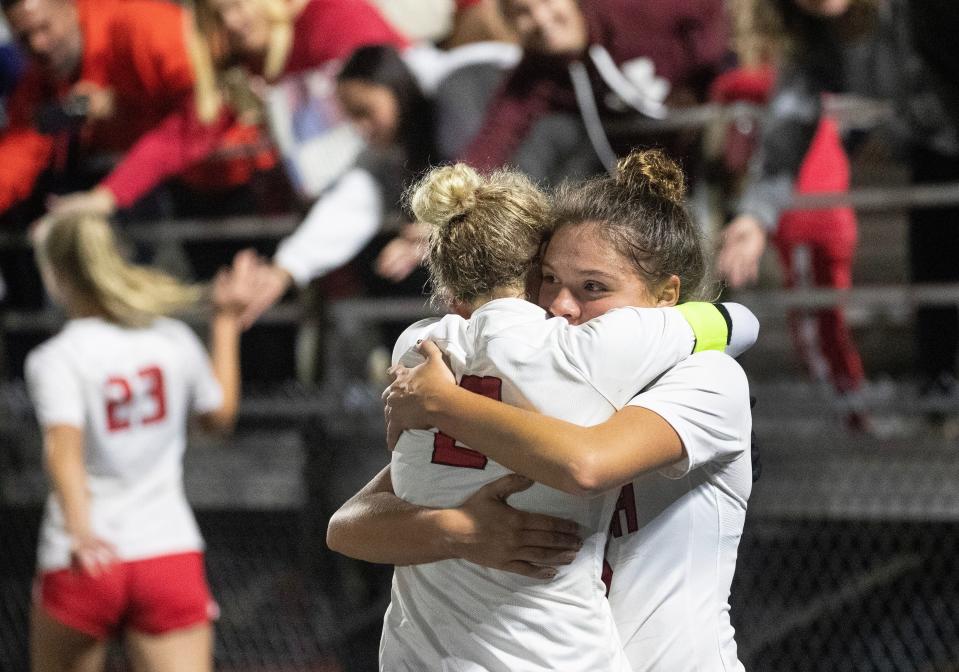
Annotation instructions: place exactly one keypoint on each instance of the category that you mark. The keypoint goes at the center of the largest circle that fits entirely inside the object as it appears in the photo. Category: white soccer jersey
(675, 534)
(131, 390)
(455, 615)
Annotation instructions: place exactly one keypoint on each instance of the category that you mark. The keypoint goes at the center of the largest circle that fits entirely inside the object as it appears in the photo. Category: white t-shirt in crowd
(131, 390)
(675, 534)
(455, 615)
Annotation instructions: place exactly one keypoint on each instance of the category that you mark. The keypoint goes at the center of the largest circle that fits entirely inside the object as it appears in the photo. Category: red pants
(829, 237)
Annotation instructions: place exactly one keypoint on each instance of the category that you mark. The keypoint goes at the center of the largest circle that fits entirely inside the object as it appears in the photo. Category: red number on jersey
(445, 450)
(120, 399)
(119, 396)
(154, 378)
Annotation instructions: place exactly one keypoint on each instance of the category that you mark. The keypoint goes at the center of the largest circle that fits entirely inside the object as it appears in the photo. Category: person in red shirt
(635, 53)
(269, 39)
(101, 73)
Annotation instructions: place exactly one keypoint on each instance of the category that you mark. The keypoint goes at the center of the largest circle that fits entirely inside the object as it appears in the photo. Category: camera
(65, 115)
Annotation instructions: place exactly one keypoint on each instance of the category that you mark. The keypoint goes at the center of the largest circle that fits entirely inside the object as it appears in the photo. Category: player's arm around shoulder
(627, 348)
(697, 411)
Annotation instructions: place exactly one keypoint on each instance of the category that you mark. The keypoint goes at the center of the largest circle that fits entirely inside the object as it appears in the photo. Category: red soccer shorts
(154, 596)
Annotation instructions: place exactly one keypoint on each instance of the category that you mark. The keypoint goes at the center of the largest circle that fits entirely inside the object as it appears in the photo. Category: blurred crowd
(147, 110)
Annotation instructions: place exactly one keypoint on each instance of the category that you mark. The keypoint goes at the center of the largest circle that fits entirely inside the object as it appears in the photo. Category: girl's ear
(668, 294)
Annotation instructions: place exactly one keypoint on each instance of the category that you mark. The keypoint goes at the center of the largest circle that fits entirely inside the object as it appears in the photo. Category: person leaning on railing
(881, 49)
(408, 123)
(83, 87)
(265, 38)
(829, 234)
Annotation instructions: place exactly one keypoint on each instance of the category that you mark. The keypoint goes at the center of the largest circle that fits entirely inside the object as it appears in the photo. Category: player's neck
(465, 309)
(80, 308)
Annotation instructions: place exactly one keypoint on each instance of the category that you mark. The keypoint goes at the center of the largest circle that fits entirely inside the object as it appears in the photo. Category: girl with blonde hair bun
(461, 609)
(120, 552)
(471, 257)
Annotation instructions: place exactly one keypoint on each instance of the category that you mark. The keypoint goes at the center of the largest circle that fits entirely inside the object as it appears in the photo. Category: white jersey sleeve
(622, 351)
(743, 328)
(706, 401)
(54, 387)
(206, 395)
(338, 226)
(404, 350)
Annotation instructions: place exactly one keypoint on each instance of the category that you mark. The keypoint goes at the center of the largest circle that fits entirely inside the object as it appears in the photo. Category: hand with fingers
(403, 254)
(234, 288)
(91, 555)
(486, 530)
(411, 396)
(744, 242)
(272, 283)
(97, 201)
(101, 102)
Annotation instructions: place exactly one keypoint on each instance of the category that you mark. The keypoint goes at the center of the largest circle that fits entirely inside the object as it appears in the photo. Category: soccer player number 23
(120, 398)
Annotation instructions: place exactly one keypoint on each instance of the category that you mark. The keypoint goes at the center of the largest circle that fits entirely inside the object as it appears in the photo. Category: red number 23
(445, 450)
(120, 398)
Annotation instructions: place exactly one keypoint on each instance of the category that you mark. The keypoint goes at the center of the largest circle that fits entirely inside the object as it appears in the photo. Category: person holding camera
(100, 75)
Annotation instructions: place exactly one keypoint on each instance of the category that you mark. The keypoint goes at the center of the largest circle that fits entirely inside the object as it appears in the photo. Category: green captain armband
(710, 322)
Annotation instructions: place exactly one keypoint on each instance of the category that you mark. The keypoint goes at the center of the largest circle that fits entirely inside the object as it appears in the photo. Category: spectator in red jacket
(268, 39)
(101, 73)
(636, 54)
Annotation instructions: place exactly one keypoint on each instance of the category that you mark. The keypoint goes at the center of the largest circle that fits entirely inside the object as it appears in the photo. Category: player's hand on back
(488, 531)
(91, 555)
(412, 395)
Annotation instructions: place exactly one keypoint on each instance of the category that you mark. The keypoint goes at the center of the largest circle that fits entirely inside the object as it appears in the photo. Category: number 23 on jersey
(140, 399)
(445, 449)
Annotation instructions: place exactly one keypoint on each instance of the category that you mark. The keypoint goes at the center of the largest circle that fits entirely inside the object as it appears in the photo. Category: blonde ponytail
(80, 250)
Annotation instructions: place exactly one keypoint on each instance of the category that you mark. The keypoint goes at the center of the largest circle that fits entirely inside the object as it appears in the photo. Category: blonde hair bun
(445, 194)
(651, 171)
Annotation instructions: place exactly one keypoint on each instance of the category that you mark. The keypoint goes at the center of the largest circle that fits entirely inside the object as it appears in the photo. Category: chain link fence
(809, 596)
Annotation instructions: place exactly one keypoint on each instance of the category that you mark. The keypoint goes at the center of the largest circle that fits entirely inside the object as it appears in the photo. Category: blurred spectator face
(373, 109)
(584, 276)
(824, 8)
(246, 23)
(548, 26)
(49, 31)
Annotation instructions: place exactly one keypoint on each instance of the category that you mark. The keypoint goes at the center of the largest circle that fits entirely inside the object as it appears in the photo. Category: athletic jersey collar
(510, 305)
